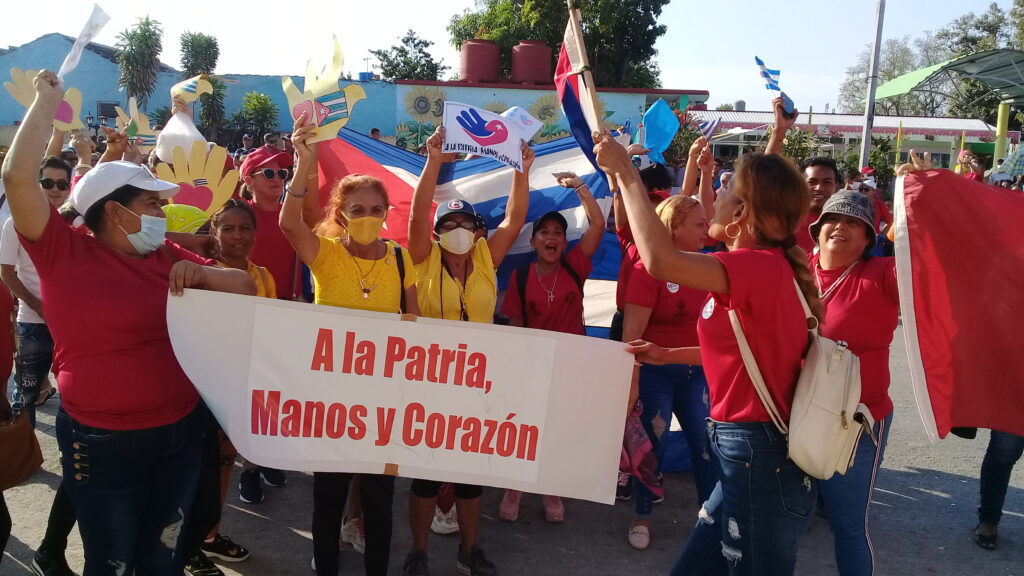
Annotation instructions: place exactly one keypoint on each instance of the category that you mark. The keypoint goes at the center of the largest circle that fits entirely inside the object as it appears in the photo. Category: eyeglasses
(49, 183)
(269, 174)
(449, 225)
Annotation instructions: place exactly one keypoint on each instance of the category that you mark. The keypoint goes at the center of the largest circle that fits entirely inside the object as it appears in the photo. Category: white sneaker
(445, 523)
(352, 533)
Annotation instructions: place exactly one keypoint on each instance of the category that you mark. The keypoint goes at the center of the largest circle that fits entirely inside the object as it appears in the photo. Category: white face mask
(458, 241)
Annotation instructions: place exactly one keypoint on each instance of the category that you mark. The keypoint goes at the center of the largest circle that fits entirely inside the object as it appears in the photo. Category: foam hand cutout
(325, 103)
(201, 177)
(68, 116)
(137, 126)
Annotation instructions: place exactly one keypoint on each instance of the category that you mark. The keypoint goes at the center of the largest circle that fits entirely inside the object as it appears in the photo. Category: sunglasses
(49, 183)
(449, 225)
(269, 173)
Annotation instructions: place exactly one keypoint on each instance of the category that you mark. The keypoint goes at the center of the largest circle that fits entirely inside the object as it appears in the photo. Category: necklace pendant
(366, 294)
(551, 297)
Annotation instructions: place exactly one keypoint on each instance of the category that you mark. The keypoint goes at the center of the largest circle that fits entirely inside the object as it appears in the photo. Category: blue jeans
(132, 491)
(35, 355)
(757, 513)
(1004, 450)
(681, 390)
(848, 498)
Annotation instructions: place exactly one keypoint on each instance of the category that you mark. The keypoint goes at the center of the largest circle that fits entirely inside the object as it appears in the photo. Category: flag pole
(588, 77)
(899, 142)
(869, 110)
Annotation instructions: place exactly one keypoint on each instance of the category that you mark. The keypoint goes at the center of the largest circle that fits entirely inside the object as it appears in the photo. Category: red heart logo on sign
(64, 112)
(198, 196)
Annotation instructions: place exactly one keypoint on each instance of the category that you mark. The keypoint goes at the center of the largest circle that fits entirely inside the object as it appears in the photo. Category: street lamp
(88, 122)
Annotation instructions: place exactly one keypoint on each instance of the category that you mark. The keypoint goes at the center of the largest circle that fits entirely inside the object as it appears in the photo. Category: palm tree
(138, 55)
(260, 111)
(199, 55)
(211, 114)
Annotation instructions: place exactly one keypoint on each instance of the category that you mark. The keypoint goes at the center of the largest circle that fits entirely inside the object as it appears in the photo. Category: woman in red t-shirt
(130, 424)
(861, 302)
(550, 297)
(763, 503)
(665, 314)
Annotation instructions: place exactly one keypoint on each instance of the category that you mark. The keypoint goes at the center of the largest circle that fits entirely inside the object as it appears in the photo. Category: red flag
(960, 263)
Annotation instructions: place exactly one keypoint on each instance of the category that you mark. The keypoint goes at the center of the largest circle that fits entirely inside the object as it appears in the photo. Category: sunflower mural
(549, 112)
(425, 106)
(496, 106)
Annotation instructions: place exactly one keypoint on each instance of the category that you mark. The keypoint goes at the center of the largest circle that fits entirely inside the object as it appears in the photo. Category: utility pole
(869, 112)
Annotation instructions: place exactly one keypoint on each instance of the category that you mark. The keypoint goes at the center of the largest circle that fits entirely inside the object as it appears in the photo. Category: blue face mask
(150, 236)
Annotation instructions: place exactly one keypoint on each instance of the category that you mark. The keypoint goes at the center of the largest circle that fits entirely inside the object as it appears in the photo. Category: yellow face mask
(365, 230)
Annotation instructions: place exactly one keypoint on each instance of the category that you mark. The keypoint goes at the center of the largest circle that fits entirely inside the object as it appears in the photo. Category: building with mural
(406, 112)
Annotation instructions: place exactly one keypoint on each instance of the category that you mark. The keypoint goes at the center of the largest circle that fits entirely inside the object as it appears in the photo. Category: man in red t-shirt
(264, 172)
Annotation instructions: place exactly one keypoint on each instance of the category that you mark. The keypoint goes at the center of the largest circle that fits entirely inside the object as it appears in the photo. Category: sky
(709, 45)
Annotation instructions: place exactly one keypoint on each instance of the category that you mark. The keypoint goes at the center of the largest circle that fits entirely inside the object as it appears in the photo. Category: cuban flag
(961, 300)
(486, 183)
(574, 94)
(709, 127)
(771, 77)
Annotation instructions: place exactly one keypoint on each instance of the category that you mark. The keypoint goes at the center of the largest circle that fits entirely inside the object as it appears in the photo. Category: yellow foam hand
(190, 90)
(322, 100)
(200, 176)
(137, 126)
(68, 115)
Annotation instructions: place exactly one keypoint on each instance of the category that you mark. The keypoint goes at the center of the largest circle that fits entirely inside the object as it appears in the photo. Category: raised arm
(657, 251)
(706, 164)
(421, 233)
(29, 207)
(56, 144)
(298, 233)
(515, 210)
(84, 147)
(690, 174)
(592, 237)
(312, 212)
(781, 127)
(188, 274)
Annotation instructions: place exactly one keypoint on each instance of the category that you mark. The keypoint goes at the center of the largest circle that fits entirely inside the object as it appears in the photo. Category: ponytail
(798, 262)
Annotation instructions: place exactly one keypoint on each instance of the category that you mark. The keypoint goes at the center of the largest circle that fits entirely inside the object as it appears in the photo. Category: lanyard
(462, 290)
(831, 289)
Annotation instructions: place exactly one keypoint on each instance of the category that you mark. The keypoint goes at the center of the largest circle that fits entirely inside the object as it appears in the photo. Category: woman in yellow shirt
(456, 280)
(353, 268)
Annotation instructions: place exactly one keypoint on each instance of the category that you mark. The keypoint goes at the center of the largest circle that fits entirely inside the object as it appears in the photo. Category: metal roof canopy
(1001, 70)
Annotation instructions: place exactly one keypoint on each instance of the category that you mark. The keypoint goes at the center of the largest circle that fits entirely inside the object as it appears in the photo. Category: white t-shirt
(12, 253)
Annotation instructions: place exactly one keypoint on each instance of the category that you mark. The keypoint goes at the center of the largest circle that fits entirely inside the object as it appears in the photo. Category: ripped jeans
(681, 390)
(760, 508)
(132, 491)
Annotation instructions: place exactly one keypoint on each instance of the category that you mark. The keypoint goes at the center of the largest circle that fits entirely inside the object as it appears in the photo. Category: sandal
(50, 393)
(985, 541)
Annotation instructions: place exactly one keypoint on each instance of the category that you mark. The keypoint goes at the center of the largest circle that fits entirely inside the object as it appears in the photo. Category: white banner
(336, 390)
(473, 130)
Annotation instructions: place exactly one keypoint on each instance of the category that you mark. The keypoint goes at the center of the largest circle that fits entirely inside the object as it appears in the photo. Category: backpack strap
(522, 273)
(755, 374)
(572, 273)
(400, 260)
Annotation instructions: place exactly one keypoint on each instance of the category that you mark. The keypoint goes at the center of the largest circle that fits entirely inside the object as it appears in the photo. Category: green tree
(1017, 24)
(968, 34)
(898, 56)
(409, 60)
(679, 150)
(160, 116)
(259, 111)
(882, 160)
(619, 34)
(199, 55)
(725, 106)
(138, 56)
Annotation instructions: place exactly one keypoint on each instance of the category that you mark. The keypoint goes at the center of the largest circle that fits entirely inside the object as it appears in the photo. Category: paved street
(924, 512)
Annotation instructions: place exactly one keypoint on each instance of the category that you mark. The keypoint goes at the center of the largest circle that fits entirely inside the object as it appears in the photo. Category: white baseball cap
(106, 177)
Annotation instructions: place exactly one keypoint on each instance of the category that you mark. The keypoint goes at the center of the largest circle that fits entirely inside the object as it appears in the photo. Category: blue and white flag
(709, 127)
(771, 77)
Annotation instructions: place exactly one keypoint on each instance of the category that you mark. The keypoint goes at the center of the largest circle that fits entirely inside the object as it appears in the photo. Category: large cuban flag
(486, 184)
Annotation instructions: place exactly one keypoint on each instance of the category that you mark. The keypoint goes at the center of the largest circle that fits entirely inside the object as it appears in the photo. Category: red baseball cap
(262, 156)
(867, 170)
(659, 195)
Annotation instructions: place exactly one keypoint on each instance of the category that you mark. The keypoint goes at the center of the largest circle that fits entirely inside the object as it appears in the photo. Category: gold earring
(733, 236)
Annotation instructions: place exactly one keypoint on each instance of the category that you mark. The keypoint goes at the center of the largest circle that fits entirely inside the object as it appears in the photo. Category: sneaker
(509, 508)
(50, 565)
(312, 563)
(554, 511)
(658, 499)
(445, 523)
(224, 549)
(273, 477)
(353, 533)
(624, 489)
(200, 565)
(475, 563)
(249, 489)
(416, 564)
(639, 536)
